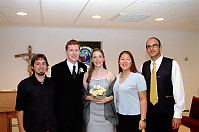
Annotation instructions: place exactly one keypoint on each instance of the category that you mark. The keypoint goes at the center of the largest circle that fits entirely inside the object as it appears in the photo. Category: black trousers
(128, 123)
(158, 121)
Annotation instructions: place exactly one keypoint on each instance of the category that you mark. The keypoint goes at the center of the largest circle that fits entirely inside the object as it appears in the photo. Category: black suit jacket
(68, 100)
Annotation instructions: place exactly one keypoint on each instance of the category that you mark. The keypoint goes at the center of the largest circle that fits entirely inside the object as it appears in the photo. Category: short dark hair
(156, 39)
(38, 56)
(72, 42)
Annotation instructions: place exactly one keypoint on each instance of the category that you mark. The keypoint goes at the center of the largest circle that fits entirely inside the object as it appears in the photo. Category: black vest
(164, 85)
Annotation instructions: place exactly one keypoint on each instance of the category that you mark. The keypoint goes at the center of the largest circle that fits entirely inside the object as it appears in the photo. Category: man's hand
(142, 125)
(176, 123)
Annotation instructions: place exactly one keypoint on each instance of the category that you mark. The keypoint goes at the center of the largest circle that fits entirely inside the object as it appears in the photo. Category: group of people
(152, 98)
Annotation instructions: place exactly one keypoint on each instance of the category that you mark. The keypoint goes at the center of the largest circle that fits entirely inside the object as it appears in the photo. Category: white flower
(95, 93)
(81, 70)
(98, 92)
(91, 91)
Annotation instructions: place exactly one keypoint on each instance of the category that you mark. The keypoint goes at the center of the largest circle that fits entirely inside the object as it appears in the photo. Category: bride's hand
(102, 101)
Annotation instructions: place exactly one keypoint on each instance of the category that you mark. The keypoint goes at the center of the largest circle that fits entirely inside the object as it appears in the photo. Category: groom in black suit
(68, 77)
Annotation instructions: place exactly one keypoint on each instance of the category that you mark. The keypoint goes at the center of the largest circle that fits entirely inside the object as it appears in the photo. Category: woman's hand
(99, 101)
(91, 98)
(142, 125)
(103, 101)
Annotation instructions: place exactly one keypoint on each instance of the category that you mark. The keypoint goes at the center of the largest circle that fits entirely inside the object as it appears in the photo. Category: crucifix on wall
(27, 56)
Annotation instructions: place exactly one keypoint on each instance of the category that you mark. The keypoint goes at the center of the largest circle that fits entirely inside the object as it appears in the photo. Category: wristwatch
(143, 120)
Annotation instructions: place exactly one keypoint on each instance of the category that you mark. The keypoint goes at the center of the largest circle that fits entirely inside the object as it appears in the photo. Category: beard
(41, 73)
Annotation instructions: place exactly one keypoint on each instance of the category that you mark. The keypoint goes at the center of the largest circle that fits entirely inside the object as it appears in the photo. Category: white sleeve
(140, 70)
(178, 90)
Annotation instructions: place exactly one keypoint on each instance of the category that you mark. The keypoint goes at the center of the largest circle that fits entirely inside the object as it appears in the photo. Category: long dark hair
(92, 66)
(133, 67)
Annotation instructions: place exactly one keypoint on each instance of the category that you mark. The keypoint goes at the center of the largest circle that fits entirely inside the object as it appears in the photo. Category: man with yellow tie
(165, 91)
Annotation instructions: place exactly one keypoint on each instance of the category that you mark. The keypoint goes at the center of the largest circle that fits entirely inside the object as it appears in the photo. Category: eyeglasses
(149, 46)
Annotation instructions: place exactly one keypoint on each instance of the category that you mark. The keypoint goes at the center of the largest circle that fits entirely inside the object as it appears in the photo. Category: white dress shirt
(70, 66)
(178, 88)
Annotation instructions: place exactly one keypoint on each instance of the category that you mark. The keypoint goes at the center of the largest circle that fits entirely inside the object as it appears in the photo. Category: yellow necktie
(153, 90)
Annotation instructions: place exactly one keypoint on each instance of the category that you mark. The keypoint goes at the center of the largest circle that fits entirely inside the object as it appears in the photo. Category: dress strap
(108, 76)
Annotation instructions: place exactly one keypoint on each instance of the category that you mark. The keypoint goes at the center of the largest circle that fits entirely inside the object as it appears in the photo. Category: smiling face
(97, 59)
(153, 49)
(40, 67)
(125, 62)
(73, 52)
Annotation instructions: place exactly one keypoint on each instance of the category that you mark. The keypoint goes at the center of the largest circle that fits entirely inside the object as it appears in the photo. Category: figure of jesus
(27, 57)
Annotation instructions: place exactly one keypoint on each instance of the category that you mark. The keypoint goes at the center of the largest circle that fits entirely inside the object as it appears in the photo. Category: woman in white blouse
(130, 96)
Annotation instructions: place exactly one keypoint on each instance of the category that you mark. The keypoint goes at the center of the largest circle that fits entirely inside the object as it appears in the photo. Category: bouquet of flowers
(98, 92)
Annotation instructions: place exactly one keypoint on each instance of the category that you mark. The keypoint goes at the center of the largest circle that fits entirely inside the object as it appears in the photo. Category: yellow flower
(100, 92)
(104, 90)
(95, 93)
(91, 91)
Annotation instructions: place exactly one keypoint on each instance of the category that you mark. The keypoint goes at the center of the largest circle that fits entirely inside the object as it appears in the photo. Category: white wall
(198, 61)
(51, 42)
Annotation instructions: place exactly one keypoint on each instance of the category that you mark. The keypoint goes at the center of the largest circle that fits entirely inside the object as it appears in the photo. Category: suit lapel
(79, 74)
(69, 73)
(67, 70)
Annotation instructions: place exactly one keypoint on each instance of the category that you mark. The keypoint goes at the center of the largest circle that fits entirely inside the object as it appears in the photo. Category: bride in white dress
(99, 114)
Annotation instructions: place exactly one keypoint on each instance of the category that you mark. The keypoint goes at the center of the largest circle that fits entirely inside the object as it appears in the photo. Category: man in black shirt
(35, 99)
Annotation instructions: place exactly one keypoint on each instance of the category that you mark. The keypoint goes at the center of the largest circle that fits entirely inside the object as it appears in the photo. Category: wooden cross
(27, 56)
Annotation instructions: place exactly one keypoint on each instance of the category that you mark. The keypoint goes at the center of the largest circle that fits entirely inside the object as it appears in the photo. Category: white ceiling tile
(185, 20)
(180, 10)
(25, 21)
(145, 8)
(58, 22)
(88, 22)
(117, 24)
(115, 0)
(12, 12)
(3, 20)
(107, 6)
(65, 5)
(60, 14)
(167, 2)
(164, 26)
(190, 27)
(88, 15)
(178, 14)
(20, 4)
(190, 3)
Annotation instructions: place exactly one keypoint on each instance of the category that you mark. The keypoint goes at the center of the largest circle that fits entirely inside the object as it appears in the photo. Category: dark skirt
(128, 123)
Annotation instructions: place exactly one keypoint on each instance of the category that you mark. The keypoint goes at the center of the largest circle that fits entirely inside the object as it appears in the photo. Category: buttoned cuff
(177, 115)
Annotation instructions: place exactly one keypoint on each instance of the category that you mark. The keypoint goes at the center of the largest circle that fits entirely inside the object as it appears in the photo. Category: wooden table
(7, 110)
(6, 120)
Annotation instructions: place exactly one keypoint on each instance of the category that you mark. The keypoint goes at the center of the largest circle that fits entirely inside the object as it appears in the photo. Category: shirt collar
(36, 81)
(158, 61)
(70, 66)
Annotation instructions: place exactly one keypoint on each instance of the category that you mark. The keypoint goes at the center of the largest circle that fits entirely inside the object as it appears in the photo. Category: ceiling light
(159, 19)
(22, 13)
(96, 17)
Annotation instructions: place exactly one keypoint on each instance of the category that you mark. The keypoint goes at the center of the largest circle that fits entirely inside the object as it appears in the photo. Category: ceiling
(179, 15)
